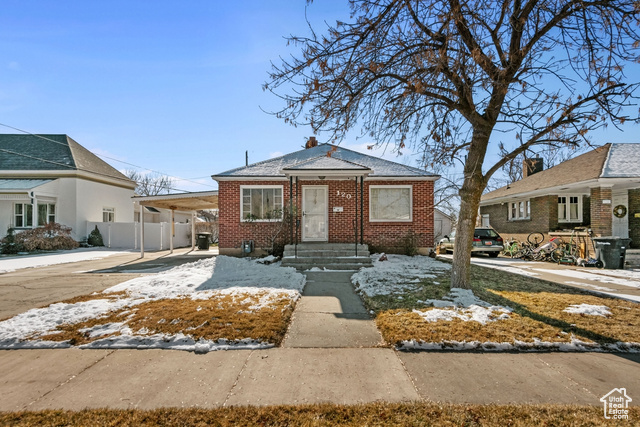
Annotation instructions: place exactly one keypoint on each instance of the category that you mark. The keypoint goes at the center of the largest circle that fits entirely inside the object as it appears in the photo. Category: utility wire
(107, 157)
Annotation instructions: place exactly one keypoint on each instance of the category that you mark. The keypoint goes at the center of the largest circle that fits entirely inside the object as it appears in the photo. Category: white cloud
(275, 154)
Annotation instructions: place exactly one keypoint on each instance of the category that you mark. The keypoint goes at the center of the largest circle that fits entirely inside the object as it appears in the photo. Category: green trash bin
(203, 241)
(611, 250)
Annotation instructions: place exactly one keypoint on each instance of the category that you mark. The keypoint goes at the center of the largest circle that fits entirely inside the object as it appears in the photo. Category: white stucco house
(52, 178)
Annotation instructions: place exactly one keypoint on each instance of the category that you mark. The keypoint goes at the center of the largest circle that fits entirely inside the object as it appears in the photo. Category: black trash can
(611, 250)
(203, 241)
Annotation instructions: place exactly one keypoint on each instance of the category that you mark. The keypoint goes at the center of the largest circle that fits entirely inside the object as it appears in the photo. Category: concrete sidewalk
(76, 379)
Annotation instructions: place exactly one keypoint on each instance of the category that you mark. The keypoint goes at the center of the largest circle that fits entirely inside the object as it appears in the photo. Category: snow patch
(588, 309)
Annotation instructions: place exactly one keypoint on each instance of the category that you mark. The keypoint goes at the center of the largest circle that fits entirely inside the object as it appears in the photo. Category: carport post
(141, 231)
(171, 231)
(193, 231)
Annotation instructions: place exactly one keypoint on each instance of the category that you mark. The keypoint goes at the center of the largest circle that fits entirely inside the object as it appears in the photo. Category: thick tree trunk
(469, 203)
(470, 194)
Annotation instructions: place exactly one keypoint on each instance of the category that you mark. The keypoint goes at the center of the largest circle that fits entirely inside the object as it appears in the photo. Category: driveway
(46, 283)
(618, 283)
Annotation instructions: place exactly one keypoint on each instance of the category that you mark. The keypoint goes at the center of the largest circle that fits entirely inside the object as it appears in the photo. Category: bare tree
(456, 77)
(152, 184)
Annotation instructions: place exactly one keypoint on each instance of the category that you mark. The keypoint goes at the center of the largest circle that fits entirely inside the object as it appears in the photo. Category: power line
(107, 157)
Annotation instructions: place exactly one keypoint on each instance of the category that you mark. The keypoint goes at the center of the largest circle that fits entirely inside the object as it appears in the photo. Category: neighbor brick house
(599, 189)
(325, 193)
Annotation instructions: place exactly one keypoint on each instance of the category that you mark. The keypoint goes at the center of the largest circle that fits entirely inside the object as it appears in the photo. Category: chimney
(531, 166)
(311, 142)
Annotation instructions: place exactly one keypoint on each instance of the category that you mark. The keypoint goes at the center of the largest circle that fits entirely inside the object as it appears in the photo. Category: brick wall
(341, 193)
(601, 222)
(543, 218)
(634, 223)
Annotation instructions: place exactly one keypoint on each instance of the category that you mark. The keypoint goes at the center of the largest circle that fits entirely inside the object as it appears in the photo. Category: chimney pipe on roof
(311, 142)
(531, 166)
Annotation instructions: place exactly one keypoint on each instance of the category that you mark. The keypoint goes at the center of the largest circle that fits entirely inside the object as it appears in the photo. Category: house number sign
(343, 194)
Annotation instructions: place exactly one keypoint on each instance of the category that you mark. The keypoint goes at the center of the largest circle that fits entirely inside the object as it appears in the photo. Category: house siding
(341, 193)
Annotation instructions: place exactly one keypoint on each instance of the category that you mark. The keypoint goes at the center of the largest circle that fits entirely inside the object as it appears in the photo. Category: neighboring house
(599, 189)
(156, 215)
(52, 178)
(337, 195)
(442, 225)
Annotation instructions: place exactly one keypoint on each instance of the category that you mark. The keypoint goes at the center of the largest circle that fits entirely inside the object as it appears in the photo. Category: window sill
(260, 220)
(390, 220)
(519, 219)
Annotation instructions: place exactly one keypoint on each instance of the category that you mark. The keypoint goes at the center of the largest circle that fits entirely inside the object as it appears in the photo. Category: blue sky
(170, 86)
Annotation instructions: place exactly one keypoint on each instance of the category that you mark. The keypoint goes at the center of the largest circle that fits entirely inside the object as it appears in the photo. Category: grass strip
(538, 313)
(372, 414)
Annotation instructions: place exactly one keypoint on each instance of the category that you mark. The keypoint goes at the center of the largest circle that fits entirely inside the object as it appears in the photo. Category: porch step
(330, 256)
(632, 258)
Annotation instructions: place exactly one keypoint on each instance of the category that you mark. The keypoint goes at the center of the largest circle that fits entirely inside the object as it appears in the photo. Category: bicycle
(511, 248)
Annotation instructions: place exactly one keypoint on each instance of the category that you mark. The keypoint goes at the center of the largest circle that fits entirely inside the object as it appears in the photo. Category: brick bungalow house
(325, 193)
(599, 189)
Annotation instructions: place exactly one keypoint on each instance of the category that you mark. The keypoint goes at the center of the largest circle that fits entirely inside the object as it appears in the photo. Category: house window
(260, 203)
(390, 203)
(46, 213)
(23, 215)
(108, 214)
(569, 208)
(519, 210)
(485, 220)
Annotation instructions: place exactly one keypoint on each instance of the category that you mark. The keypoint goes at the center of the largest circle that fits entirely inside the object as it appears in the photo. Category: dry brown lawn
(221, 316)
(538, 314)
(373, 414)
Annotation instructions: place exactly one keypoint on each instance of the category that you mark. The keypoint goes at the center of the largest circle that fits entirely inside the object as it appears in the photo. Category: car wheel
(493, 254)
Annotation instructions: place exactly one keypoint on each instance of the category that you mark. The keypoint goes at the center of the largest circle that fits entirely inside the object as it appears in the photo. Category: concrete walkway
(331, 315)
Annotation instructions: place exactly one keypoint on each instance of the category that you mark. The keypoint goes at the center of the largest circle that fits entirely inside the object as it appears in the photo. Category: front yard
(212, 304)
(415, 309)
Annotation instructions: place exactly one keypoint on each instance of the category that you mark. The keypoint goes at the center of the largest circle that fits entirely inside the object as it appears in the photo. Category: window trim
(567, 208)
(510, 207)
(48, 215)
(112, 211)
(24, 216)
(260, 186)
(409, 186)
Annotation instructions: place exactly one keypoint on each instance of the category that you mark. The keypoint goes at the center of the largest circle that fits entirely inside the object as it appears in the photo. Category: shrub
(8, 243)
(51, 237)
(95, 238)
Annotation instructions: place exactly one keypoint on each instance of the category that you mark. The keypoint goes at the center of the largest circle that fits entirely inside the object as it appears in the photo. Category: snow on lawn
(588, 309)
(18, 262)
(400, 273)
(242, 279)
(464, 306)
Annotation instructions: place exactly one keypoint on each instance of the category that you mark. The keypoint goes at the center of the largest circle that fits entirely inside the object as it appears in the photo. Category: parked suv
(485, 240)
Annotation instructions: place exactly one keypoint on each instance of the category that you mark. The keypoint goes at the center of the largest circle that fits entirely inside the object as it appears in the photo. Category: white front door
(314, 213)
(620, 222)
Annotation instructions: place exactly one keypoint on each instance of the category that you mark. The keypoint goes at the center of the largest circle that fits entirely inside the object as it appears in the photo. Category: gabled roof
(586, 167)
(273, 168)
(24, 152)
(21, 184)
(325, 163)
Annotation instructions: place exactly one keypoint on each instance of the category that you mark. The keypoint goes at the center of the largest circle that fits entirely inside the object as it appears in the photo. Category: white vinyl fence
(126, 235)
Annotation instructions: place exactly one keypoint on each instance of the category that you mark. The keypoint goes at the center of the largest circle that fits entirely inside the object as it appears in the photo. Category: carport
(187, 202)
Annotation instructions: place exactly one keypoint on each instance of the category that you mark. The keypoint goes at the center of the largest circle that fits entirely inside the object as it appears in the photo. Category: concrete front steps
(632, 258)
(330, 256)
